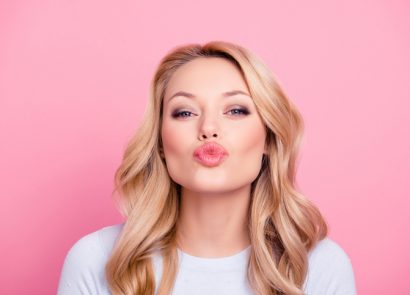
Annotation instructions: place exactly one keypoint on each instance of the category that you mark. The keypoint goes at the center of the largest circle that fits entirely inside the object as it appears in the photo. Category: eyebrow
(225, 94)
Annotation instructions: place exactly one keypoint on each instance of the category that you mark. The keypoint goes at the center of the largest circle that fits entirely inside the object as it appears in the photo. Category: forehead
(205, 75)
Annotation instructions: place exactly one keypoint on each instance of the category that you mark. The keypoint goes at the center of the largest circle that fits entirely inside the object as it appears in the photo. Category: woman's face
(203, 112)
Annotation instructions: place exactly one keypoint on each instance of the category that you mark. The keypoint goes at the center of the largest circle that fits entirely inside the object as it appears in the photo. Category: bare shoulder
(330, 268)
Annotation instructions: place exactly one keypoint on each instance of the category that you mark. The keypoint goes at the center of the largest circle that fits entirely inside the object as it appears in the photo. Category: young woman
(207, 186)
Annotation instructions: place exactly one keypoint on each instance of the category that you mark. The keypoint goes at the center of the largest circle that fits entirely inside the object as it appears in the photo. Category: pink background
(74, 79)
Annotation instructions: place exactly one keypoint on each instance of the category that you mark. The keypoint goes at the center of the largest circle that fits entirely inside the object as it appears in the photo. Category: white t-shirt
(329, 272)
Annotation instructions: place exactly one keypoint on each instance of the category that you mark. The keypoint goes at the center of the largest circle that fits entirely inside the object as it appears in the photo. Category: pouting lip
(210, 148)
(210, 160)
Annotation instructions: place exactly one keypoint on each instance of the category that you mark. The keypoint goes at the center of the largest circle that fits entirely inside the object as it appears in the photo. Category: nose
(208, 128)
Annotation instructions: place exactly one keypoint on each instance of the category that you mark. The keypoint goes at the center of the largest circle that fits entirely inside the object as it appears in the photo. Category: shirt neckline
(235, 262)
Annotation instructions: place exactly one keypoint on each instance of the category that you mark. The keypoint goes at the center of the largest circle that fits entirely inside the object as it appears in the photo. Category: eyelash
(177, 114)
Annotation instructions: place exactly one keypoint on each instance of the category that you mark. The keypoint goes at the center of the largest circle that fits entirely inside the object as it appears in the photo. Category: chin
(210, 186)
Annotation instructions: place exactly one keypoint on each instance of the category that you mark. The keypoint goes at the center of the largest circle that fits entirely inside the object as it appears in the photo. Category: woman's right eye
(182, 114)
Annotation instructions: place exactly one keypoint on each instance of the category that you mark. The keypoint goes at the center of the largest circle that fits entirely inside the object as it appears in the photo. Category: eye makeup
(239, 111)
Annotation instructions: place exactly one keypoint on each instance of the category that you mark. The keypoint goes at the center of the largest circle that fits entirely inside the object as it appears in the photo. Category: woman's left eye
(186, 114)
(239, 111)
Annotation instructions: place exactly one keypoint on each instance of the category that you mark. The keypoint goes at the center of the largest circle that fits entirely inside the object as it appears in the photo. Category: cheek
(170, 139)
(176, 140)
(251, 139)
(177, 143)
(249, 147)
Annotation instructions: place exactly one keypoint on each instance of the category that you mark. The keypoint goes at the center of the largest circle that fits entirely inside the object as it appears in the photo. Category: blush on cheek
(169, 138)
(254, 140)
(176, 144)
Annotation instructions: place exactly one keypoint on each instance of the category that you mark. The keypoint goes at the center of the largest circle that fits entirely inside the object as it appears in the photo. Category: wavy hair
(283, 224)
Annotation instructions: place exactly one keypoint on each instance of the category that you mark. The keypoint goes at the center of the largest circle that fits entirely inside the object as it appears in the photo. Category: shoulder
(97, 243)
(85, 261)
(330, 270)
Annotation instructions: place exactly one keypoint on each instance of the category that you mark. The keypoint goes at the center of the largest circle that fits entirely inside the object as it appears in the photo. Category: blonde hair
(283, 224)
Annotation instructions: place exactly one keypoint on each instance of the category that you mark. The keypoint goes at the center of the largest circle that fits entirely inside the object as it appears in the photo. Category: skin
(215, 200)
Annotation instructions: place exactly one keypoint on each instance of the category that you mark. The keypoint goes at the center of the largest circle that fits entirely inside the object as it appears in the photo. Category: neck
(214, 224)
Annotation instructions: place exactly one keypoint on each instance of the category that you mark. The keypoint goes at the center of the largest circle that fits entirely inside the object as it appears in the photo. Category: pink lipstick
(210, 154)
